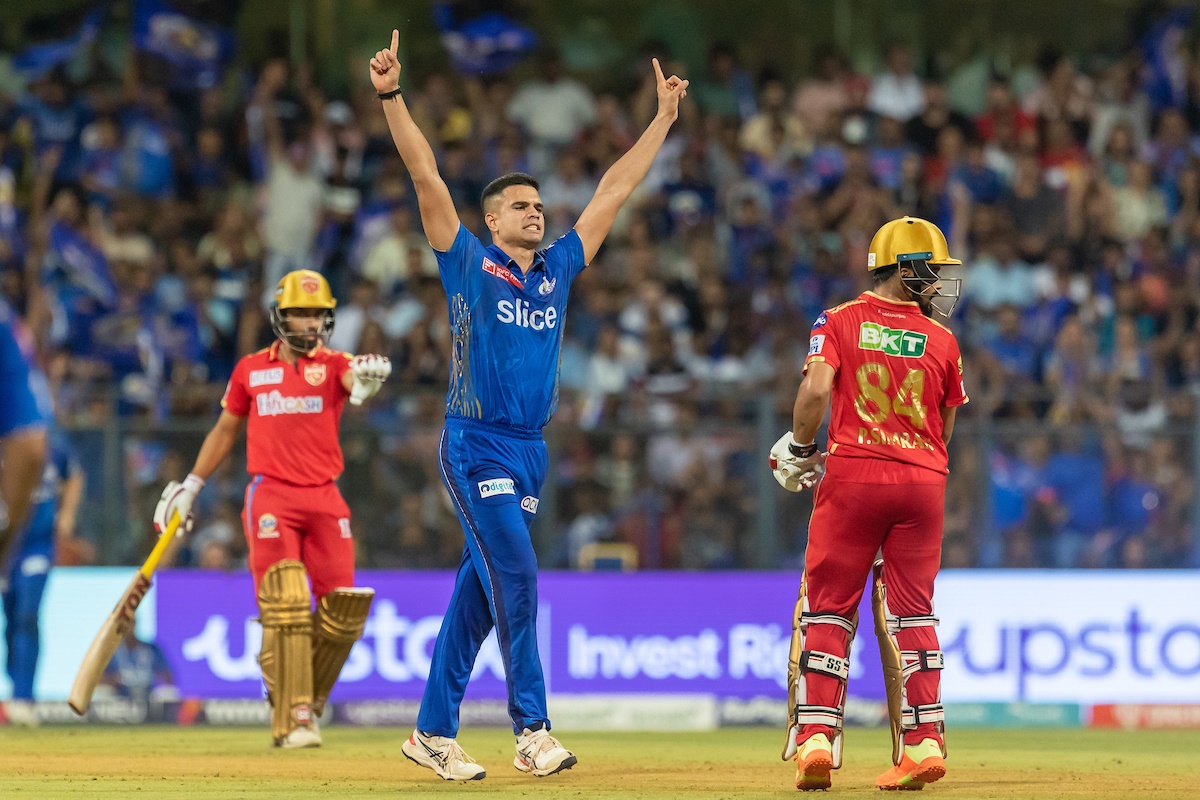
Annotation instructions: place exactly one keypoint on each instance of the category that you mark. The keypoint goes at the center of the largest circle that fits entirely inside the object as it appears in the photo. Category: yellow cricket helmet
(299, 289)
(919, 245)
(303, 288)
(908, 239)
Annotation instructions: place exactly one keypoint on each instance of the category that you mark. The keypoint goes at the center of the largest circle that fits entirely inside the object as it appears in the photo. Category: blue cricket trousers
(494, 474)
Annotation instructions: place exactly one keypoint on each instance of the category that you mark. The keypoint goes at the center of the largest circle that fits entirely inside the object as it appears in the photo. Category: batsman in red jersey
(289, 398)
(895, 378)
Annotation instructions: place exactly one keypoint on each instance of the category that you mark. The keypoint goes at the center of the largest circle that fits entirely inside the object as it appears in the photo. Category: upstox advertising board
(1009, 636)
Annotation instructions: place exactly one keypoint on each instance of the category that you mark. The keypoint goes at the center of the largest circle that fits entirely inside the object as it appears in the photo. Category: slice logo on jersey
(529, 503)
(503, 273)
(272, 404)
(816, 344)
(268, 527)
(310, 285)
(547, 286)
(314, 374)
(522, 315)
(266, 377)
(344, 527)
(891, 341)
(497, 486)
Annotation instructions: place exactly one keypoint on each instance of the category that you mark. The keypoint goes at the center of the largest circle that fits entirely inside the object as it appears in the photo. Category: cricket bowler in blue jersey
(507, 305)
(24, 412)
(51, 519)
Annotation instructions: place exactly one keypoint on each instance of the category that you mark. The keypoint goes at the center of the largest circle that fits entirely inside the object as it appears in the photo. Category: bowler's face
(517, 217)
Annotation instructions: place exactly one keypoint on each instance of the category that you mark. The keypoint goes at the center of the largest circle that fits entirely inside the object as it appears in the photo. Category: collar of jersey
(273, 352)
(890, 301)
(539, 260)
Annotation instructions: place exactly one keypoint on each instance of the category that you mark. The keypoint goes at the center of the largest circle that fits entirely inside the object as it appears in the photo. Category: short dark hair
(883, 274)
(503, 182)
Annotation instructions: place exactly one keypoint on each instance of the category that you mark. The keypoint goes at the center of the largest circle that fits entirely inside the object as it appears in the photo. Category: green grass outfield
(151, 762)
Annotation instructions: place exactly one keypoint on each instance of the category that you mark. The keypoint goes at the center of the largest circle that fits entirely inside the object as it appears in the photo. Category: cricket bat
(116, 625)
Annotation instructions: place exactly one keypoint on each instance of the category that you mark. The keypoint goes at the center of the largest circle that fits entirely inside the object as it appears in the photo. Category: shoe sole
(567, 763)
(435, 771)
(930, 770)
(814, 774)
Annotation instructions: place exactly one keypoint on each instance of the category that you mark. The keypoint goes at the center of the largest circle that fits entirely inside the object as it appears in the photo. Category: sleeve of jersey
(568, 250)
(237, 400)
(822, 345)
(340, 367)
(956, 387)
(452, 264)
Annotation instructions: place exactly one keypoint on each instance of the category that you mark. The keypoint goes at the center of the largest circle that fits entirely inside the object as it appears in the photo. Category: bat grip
(160, 546)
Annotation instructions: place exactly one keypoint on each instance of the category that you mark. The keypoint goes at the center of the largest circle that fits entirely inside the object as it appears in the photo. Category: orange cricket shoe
(921, 764)
(814, 761)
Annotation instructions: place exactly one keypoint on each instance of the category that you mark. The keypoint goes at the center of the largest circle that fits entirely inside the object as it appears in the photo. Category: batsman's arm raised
(438, 217)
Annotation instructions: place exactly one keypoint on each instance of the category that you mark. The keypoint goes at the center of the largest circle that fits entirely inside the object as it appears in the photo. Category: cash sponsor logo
(271, 404)
(266, 377)
(891, 341)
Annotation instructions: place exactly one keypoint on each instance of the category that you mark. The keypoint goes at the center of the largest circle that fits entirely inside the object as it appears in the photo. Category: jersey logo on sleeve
(503, 273)
(816, 344)
(821, 320)
(891, 341)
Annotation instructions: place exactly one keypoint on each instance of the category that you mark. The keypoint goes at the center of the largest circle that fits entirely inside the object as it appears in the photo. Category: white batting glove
(178, 497)
(792, 472)
(369, 374)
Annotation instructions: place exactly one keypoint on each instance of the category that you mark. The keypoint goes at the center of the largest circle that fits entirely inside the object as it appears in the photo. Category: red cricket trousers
(853, 518)
(310, 524)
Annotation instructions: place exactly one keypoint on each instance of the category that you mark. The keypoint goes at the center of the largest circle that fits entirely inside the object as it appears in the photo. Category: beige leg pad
(793, 673)
(338, 623)
(889, 655)
(285, 608)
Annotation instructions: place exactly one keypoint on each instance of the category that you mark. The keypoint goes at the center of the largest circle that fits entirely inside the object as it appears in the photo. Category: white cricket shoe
(442, 755)
(540, 753)
(302, 737)
(22, 713)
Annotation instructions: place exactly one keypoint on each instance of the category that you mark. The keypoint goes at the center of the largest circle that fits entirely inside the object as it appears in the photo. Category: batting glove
(178, 497)
(794, 471)
(369, 374)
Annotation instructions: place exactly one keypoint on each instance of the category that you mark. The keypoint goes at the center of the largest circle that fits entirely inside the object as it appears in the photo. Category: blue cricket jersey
(24, 393)
(507, 329)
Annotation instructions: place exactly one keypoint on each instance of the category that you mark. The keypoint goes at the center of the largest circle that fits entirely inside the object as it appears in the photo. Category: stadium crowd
(142, 229)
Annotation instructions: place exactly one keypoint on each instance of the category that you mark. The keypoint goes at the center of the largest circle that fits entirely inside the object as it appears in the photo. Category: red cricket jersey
(895, 369)
(294, 412)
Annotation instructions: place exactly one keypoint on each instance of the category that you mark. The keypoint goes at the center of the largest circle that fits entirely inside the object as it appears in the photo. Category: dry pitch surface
(740, 763)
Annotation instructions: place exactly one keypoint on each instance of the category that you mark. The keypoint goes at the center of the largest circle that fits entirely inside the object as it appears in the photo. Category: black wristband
(803, 450)
(388, 95)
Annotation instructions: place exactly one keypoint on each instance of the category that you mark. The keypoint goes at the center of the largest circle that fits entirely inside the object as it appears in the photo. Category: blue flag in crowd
(197, 50)
(1166, 70)
(486, 44)
(42, 58)
(82, 264)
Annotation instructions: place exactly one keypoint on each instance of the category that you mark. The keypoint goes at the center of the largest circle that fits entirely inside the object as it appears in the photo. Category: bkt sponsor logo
(892, 342)
(272, 404)
(747, 651)
(519, 313)
(1051, 657)
(395, 648)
